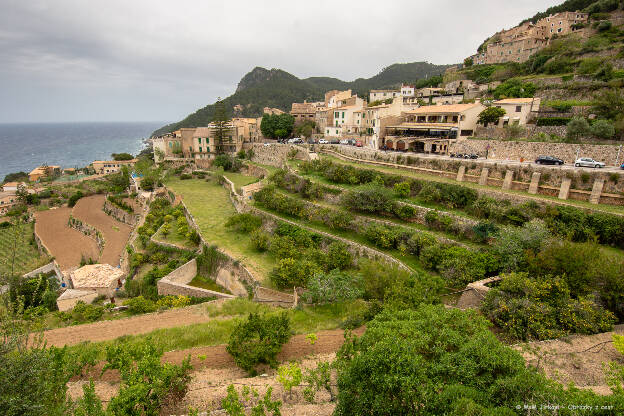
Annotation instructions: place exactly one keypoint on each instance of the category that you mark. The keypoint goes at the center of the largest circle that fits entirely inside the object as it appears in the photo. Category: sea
(24, 146)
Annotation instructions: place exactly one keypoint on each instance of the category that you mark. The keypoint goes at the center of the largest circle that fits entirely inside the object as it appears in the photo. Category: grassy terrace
(174, 238)
(239, 180)
(303, 321)
(210, 205)
(18, 240)
(413, 174)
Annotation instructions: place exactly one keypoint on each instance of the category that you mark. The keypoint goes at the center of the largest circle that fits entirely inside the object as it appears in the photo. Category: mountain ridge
(277, 88)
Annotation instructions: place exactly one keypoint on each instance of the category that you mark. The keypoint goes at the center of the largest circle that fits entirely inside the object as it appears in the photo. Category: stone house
(518, 110)
(111, 166)
(71, 297)
(43, 172)
(101, 278)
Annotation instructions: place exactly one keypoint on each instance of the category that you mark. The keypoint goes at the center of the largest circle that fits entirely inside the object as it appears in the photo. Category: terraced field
(66, 244)
(18, 251)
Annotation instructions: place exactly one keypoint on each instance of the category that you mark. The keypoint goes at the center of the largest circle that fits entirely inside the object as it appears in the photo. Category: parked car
(334, 141)
(622, 167)
(548, 160)
(588, 163)
(323, 141)
(471, 156)
(351, 142)
(344, 141)
(358, 143)
(266, 144)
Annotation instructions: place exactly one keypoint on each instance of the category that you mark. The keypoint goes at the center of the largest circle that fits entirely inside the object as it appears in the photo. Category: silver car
(587, 162)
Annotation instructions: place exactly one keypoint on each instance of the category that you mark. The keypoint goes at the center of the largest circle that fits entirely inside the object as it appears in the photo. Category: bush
(541, 308)
(514, 88)
(381, 235)
(402, 190)
(437, 361)
(290, 272)
(258, 340)
(604, 26)
(228, 163)
(140, 305)
(405, 212)
(74, 198)
(147, 385)
(338, 256)
(259, 240)
(577, 128)
(369, 198)
(333, 286)
(603, 129)
(83, 312)
(186, 176)
(168, 302)
(244, 223)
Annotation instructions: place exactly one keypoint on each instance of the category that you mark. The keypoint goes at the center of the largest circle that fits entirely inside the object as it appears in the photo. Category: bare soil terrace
(115, 233)
(66, 244)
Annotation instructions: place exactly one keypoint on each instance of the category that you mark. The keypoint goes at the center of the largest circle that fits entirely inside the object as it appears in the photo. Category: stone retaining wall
(551, 177)
(119, 214)
(88, 230)
(475, 292)
(276, 154)
(176, 283)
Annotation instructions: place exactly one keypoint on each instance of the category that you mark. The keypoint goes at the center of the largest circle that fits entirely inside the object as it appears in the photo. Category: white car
(266, 144)
(588, 163)
(323, 141)
(344, 141)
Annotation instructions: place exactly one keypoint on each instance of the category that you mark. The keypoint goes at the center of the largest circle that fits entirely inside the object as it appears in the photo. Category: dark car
(622, 167)
(334, 141)
(548, 160)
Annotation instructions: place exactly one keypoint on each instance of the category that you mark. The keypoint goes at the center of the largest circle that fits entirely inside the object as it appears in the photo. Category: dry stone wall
(276, 154)
(176, 283)
(88, 230)
(119, 214)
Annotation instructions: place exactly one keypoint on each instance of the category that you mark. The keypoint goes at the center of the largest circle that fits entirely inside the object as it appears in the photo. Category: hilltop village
(446, 245)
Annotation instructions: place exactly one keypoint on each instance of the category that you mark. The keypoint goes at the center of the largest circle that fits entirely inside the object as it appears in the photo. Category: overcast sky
(154, 60)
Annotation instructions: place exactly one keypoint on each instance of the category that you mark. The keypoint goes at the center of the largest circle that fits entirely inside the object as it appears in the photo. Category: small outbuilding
(102, 278)
(70, 297)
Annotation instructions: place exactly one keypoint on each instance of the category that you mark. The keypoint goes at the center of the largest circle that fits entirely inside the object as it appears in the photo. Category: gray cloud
(72, 60)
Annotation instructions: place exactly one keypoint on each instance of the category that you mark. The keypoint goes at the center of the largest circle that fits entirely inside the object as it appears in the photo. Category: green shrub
(405, 212)
(83, 312)
(140, 305)
(338, 256)
(259, 240)
(290, 272)
(381, 235)
(186, 176)
(258, 340)
(553, 121)
(244, 223)
(603, 129)
(333, 286)
(228, 163)
(541, 308)
(435, 361)
(74, 198)
(147, 385)
(369, 198)
(402, 190)
(514, 88)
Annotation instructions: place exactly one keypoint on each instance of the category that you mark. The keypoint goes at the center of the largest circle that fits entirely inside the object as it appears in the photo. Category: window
(199, 141)
(559, 30)
(207, 149)
(200, 149)
(170, 144)
(190, 148)
(336, 114)
(343, 114)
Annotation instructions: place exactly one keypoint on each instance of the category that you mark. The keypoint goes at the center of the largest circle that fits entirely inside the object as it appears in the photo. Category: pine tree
(223, 134)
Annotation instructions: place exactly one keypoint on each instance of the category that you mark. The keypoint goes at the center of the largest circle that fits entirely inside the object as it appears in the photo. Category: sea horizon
(26, 145)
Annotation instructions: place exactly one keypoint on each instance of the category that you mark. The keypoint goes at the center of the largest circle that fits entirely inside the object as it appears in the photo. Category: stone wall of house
(88, 230)
(254, 170)
(119, 214)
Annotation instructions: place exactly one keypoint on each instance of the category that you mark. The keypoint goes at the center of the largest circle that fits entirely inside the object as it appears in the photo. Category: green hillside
(276, 88)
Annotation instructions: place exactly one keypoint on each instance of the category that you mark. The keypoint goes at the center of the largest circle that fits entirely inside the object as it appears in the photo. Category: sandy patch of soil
(107, 330)
(577, 359)
(115, 233)
(66, 244)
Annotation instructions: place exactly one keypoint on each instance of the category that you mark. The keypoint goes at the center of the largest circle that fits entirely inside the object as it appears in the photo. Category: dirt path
(107, 330)
(577, 359)
(66, 244)
(115, 233)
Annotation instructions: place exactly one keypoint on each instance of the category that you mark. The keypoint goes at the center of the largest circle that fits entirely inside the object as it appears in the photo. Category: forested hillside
(276, 88)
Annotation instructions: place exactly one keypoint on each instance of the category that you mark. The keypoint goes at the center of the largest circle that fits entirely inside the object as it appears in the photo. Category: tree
(577, 127)
(603, 129)
(223, 133)
(16, 177)
(514, 88)
(491, 115)
(609, 104)
(289, 376)
(122, 156)
(468, 62)
(258, 340)
(277, 126)
(332, 287)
